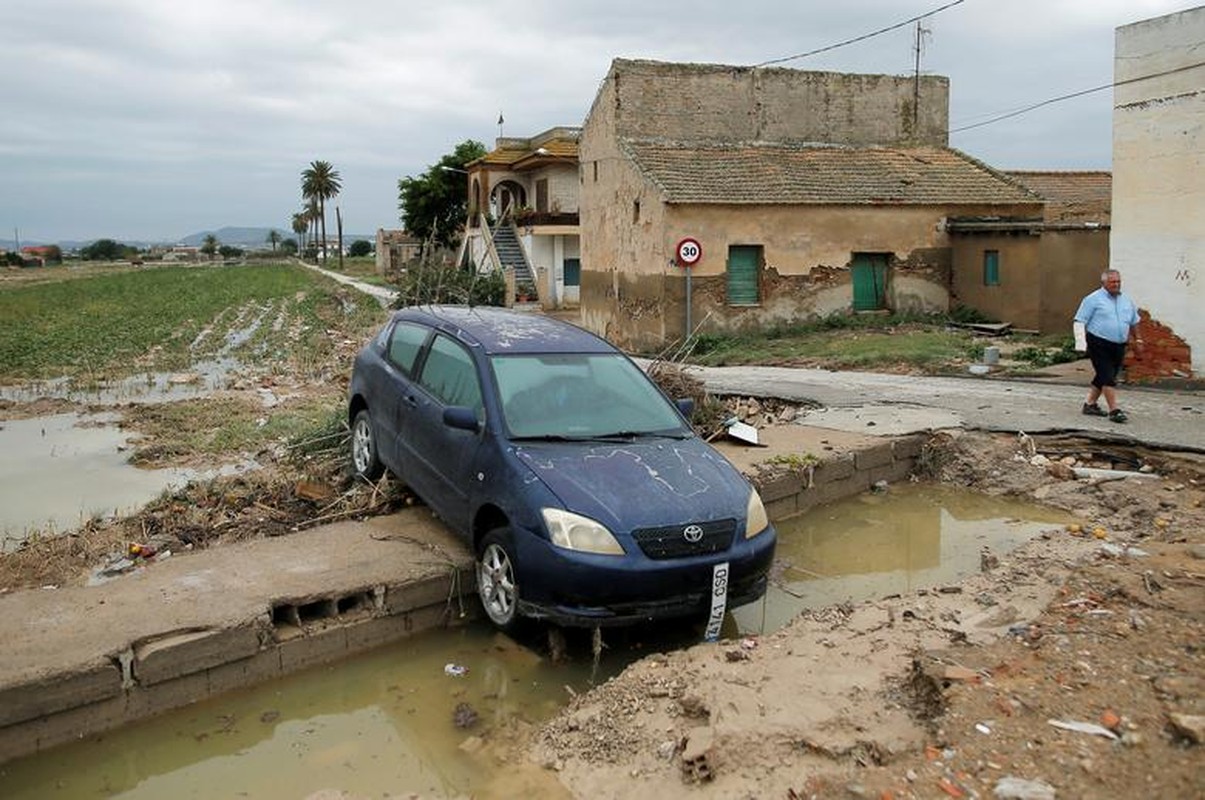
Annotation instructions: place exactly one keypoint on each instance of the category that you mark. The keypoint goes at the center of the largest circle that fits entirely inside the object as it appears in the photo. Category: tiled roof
(514, 152)
(805, 174)
(1072, 197)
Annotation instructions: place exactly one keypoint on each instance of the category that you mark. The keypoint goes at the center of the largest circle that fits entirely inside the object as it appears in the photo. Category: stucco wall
(1072, 261)
(634, 294)
(711, 101)
(1158, 233)
(1016, 298)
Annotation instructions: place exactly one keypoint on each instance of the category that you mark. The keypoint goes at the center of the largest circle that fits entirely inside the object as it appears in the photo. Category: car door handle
(411, 401)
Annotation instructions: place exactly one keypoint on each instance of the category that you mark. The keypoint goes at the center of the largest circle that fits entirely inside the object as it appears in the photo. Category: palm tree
(320, 181)
(273, 238)
(301, 224)
(311, 214)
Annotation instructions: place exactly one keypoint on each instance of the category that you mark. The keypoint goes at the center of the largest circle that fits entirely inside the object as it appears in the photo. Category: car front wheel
(364, 459)
(497, 582)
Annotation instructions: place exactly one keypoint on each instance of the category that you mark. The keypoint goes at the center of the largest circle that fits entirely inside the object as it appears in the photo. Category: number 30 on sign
(689, 252)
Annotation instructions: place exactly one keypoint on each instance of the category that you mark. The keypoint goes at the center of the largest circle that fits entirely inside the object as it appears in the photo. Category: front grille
(670, 541)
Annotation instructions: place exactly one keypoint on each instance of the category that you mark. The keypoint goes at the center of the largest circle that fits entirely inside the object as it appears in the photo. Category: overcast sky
(153, 119)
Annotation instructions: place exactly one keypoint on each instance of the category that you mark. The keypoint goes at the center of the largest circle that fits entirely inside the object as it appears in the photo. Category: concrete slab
(883, 420)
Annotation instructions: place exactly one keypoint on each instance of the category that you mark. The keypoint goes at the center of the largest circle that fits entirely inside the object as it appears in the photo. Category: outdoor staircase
(510, 253)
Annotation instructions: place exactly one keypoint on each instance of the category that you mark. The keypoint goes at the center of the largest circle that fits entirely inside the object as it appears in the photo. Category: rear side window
(404, 344)
(449, 374)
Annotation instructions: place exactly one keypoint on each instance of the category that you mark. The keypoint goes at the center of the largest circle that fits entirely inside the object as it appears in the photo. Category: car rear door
(402, 349)
(440, 458)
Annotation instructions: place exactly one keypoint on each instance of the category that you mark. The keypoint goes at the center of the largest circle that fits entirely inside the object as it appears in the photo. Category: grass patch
(847, 343)
(119, 323)
(224, 427)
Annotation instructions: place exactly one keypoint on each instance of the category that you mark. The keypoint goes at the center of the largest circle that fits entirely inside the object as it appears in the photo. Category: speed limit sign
(689, 252)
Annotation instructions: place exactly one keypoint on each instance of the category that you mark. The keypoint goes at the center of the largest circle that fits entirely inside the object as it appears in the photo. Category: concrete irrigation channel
(80, 660)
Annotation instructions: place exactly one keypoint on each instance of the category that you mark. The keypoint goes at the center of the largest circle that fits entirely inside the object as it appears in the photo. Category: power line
(863, 37)
(1080, 93)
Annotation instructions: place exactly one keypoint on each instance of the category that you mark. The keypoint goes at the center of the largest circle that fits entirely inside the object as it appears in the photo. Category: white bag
(1081, 336)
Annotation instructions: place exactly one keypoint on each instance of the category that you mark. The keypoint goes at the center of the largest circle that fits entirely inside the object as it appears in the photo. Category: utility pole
(917, 47)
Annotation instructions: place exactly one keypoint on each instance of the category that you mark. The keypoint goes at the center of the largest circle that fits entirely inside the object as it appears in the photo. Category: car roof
(501, 330)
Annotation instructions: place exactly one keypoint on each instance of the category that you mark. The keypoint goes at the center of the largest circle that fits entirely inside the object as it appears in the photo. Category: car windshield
(581, 397)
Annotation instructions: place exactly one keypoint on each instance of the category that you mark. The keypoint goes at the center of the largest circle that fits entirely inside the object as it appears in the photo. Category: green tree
(360, 248)
(434, 205)
(289, 247)
(230, 251)
(273, 238)
(320, 182)
(104, 250)
(209, 245)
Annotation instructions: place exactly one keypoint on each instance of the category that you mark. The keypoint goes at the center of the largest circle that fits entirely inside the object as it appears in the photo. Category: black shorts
(1107, 358)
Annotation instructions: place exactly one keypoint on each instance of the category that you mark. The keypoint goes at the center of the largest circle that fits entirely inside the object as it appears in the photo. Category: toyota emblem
(692, 534)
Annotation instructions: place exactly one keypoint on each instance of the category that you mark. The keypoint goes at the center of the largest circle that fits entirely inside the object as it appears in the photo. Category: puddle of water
(875, 545)
(58, 471)
(201, 379)
(376, 725)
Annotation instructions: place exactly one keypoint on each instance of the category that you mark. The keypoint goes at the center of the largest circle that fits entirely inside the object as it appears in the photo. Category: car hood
(645, 483)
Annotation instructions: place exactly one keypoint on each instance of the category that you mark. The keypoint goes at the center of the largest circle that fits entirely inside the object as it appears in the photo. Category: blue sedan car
(583, 491)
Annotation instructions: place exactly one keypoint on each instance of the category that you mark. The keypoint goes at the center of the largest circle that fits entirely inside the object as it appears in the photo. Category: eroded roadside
(945, 691)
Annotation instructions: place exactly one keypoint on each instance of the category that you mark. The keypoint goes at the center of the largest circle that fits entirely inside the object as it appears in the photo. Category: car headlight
(575, 532)
(756, 520)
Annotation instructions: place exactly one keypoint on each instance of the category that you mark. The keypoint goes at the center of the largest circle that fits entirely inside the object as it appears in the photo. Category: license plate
(719, 601)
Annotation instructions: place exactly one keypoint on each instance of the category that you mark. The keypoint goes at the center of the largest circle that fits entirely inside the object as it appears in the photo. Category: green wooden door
(870, 281)
(744, 263)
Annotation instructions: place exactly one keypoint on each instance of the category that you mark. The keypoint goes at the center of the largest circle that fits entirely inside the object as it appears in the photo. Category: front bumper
(582, 590)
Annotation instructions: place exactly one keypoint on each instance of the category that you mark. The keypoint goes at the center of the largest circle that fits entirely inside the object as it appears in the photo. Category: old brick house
(809, 192)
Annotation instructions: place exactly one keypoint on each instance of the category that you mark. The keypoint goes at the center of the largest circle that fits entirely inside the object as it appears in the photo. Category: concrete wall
(171, 671)
(1158, 233)
(712, 101)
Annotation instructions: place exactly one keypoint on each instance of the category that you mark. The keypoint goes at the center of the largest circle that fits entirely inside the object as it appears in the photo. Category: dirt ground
(1068, 668)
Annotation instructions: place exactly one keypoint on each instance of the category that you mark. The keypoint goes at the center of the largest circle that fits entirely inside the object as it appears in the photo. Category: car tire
(497, 580)
(365, 460)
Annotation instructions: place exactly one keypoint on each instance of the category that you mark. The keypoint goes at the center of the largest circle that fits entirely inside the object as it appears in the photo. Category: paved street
(896, 403)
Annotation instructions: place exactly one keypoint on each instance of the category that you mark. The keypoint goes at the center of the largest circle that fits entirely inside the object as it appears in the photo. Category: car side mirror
(686, 405)
(462, 418)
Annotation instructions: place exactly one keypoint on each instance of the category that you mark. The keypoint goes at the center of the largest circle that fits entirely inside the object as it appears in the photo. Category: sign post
(687, 254)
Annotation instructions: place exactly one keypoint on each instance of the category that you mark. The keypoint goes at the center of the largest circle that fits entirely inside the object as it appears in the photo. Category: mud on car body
(584, 493)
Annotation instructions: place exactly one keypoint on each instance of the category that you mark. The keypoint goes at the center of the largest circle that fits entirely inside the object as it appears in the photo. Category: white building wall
(1158, 232)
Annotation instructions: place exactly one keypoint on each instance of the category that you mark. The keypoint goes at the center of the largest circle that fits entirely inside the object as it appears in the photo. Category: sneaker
(1093, 410)
(1117, 415)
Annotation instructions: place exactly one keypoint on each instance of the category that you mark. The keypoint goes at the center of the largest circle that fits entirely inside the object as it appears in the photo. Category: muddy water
(378, 725)
(58, 471)
(874, 545)
(383, 724)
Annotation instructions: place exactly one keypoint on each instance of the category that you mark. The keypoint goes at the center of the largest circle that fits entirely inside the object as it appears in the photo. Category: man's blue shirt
(1107, 316)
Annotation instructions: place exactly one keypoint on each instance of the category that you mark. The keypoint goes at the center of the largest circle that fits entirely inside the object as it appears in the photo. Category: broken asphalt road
(866, 402)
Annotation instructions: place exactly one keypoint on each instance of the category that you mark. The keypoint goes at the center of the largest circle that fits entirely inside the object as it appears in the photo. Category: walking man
(1107, 320)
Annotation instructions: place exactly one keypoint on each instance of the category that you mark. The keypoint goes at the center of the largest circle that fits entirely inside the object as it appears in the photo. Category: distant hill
(231, 235)
(258, 237)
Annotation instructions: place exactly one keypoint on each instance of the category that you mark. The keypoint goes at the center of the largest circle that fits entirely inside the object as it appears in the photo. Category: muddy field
(1069, 668)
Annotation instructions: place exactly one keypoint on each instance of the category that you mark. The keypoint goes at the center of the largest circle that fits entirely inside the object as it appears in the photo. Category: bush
(360, 248)
(428, 283)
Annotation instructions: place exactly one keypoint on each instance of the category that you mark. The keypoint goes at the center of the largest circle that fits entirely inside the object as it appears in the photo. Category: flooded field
(432, 716)
(59, 470)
